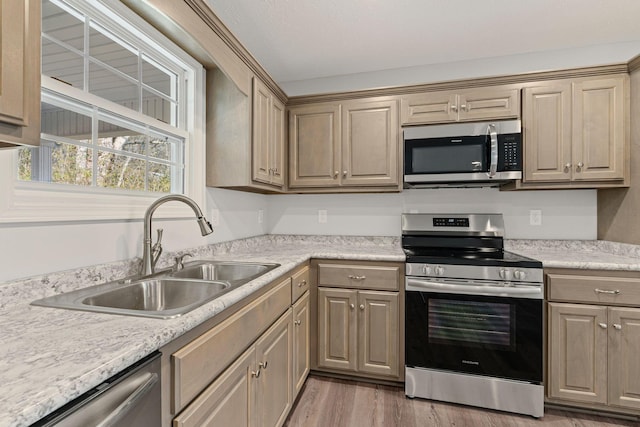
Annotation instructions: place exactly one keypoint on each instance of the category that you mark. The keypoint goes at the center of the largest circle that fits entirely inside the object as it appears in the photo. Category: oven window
(472, 323)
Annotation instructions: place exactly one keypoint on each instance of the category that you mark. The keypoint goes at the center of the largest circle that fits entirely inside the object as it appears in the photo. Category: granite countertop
(50, 356)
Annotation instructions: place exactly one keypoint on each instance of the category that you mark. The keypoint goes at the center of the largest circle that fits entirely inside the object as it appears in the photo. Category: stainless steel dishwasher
(129, 398)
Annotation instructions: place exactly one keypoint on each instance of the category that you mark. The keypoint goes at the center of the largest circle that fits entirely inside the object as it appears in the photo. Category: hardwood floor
(328, 402)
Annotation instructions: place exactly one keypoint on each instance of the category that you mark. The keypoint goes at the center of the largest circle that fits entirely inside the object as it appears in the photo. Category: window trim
(32, 202)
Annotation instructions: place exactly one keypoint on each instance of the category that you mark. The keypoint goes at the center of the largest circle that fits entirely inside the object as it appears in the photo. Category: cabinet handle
(297, 322)
(617, 326)
(602, 325)
(579, 167)
(606, 291)
(344, 173)
(567, 167)
(361, 306)
(454, 107)
(351, 276)
(352, 306)
(464, 107)
(255, 374)
(263, 365)
(335, 174)
(303, 283)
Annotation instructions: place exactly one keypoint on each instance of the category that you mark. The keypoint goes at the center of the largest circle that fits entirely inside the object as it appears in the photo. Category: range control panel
(451, 222)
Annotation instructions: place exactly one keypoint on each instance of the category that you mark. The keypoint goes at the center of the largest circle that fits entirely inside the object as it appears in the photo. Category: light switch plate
(322, 216)
(535, 217)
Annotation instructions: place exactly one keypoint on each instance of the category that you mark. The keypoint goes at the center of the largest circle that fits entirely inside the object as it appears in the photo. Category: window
(122, 116)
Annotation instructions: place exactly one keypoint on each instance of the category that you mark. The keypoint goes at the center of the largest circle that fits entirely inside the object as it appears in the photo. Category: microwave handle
(493, 161)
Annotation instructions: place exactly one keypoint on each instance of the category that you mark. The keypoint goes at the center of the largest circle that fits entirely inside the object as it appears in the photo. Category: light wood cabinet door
(378, 337)
(20, 24)
(433, 107)
(227, 401)
(578, 352)
(274, 361)
(599, 129)
(370, 140)
(624, 357)
(261, 132)
(546, 114)
(314, 145)
(278, 142)
(301, 342)
(268, 136)
(337, 329)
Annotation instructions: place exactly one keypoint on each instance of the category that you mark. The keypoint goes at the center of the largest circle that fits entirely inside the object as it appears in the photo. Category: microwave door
(447, 155)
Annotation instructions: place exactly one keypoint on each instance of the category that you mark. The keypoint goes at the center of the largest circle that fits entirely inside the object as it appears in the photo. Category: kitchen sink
(164, 295)
(223, 270)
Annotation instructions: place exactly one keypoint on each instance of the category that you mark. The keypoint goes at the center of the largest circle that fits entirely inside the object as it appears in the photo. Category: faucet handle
(159, 239)
(180, 260)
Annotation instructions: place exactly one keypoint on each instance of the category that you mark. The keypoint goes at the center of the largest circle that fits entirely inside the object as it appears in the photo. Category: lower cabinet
(358, 331)
(301, 342)
(594, 341)
(255, 390)
(359, 319)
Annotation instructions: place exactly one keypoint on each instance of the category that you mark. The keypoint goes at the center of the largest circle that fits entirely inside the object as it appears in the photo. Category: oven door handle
(422, 285)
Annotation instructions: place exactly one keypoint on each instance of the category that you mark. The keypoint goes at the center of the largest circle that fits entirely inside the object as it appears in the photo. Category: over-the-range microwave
(463, 154)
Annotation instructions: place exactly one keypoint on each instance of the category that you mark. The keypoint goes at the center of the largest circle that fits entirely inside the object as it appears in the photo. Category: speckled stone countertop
(580, 254)
(49, 356)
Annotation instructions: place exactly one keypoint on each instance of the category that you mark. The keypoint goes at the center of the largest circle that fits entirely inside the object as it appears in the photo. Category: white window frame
(32, 202)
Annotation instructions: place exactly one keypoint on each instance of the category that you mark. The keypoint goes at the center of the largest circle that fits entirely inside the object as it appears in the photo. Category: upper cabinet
(576, 133)
(268, 124)
(19, 73)
(245, 136)
(461, 105)
(348, 146)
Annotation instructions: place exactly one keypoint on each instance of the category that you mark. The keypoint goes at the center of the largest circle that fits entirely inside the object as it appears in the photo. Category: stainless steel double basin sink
(163, 295)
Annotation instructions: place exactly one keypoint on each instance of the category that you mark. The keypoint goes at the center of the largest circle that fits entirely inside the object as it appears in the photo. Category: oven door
(487, 334)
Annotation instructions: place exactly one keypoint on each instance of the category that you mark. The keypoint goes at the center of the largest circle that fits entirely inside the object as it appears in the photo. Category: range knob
(505, 274)
(426, 270)
(519, 274)
(439, 271)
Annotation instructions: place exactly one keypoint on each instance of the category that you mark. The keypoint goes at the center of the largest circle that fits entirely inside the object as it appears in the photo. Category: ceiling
(299, 40)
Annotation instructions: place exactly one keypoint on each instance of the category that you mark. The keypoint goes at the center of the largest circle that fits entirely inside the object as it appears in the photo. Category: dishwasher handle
(130, 402)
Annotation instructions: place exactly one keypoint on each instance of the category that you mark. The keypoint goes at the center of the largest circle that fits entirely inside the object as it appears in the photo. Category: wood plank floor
(328, 402)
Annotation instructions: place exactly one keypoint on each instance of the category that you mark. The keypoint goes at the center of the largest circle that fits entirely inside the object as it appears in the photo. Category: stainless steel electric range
(473, 314)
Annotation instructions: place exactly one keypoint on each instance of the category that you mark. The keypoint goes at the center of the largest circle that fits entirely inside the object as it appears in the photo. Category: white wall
(34, 249)
(487, 67)
(565, 214)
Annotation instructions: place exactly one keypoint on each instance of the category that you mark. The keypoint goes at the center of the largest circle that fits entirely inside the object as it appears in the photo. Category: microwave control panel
(510, 154)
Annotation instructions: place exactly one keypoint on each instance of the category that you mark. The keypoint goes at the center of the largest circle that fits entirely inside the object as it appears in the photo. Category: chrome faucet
(150, 254)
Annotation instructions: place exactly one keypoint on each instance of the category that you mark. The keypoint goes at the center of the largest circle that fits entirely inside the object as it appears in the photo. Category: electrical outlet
(260, 216)
(214, 218)
(535, 217)
(322, 216)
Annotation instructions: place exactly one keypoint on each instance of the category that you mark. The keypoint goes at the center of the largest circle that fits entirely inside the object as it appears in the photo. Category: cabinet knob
(303, 283)
(602, 325)
(567, 167)
(361, 306)
(580, 165)
(335, 174)
(454, 107)
(344, 173)
(617, 326)
(352, 306)
(297, 322)
(464, 107)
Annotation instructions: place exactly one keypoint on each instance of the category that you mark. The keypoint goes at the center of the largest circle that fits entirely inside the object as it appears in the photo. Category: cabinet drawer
(300, 284)
(594, 289)
(195, 365)
(359, 276)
